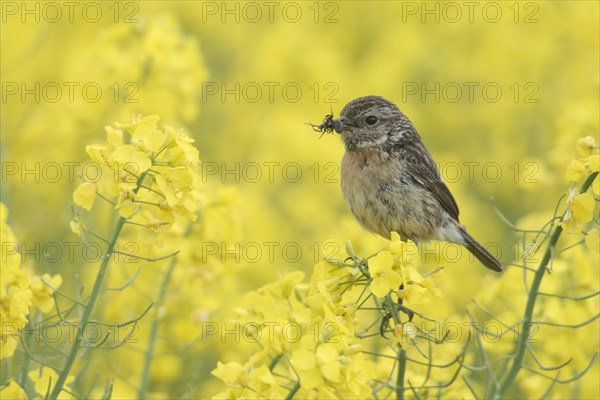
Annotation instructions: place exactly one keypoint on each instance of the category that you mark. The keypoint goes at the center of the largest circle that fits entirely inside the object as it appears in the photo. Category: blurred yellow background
(499, 92)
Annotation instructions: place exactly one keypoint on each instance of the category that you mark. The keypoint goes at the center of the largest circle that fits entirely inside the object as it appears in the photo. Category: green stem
(401, 359)
(293, 391)
(26, 358)
(393, 308)
(521, 346)
(154, 332)
(400, 353)
(87, 312)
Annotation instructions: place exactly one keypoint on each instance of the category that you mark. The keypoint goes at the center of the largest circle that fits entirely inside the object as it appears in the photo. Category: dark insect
(329, 125)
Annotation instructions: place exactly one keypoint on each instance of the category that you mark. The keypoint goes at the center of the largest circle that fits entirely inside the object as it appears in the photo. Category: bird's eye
(371, 120)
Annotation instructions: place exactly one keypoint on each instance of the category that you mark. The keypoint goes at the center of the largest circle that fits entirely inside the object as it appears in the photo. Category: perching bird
(390, 181)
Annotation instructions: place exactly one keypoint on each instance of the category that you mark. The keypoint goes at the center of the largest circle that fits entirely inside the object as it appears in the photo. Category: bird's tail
(484, 256)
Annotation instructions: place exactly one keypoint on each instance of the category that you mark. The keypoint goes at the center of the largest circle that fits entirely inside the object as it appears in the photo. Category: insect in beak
(329, 125)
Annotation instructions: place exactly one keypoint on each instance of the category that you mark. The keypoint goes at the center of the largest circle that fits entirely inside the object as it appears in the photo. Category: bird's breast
(364, 175)
(383, 197)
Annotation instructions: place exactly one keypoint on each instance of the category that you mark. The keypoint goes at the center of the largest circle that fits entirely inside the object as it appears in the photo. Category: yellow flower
(593, 162)
(171, 183)
(44, 380)
(587, 146)
(404, 333)
(229, 373)
(149, 120)
(147, 139)
(42, 292)
(396, 246)
(180, 146)
(12, 391)
(156, 171)
(9, 336)
(304, 361)
(97, 153)
(327, 358)
(315, 364)
(152, 227)
(114, 136)
(284, 288)
(417, 288)
(582, 207)
(126, 203)
(575, 171)
(85, 194)
(384, 278)
(76, 226)
(403, 251)
(262, 381)
(358, 375)
(15, 295)
(130, 159)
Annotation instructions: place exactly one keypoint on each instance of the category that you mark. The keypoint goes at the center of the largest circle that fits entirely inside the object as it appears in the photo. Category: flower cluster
(565, 313)
(395, 267)
(308, 332)
(18, 290)
(15, 294)
(306, 336)
(580, 207)
(150, 176)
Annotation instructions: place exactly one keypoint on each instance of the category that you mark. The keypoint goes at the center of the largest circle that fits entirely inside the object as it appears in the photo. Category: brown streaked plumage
(391, 183)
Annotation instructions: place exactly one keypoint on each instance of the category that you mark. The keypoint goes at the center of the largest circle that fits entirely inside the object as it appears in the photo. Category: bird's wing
(421, 167)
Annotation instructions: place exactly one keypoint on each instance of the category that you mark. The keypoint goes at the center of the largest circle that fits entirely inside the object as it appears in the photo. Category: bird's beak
(341, 123)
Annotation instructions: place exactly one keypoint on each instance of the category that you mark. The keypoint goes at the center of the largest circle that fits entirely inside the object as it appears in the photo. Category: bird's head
(369, 121)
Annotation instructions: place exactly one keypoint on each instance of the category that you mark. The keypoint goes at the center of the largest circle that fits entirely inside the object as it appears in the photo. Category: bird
(389, 180)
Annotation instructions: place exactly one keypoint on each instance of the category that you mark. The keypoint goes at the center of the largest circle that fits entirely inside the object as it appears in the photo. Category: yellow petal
(575, 171)
(97, 153)
(382, 260)
(12, 391)
(583, 207)
(379, 287)
(114, 136)
(303, 359)
(148, 138)
(85, 194)
(228, 373)
(593, 162)
(139, 163)
(327, 353)
(586, 145)
(123, 153)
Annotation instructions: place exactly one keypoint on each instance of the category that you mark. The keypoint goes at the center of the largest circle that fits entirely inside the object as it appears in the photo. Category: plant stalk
(521, 346)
